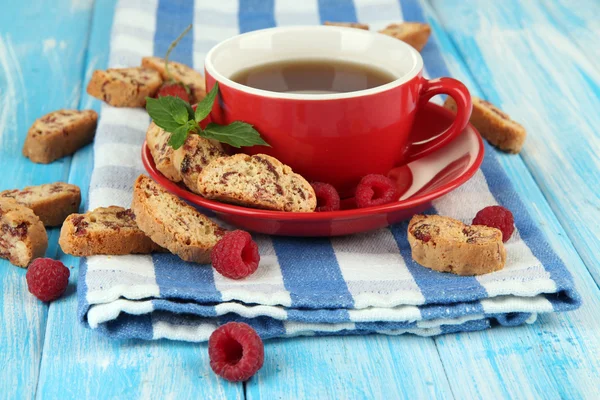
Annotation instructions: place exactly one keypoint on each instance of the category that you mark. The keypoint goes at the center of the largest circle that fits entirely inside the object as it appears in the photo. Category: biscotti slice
(494, 125)
(172, 223)
(51, 202)
(195, 154)
(106, 230)
(447, 245)
(22, 234)
(258, 181)
(348, 25)
(181, 73)
(59, 134)
(157, 140)
(413, 33)
(124, 87)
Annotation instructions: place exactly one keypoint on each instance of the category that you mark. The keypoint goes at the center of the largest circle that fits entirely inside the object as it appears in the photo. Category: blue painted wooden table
(538, 60)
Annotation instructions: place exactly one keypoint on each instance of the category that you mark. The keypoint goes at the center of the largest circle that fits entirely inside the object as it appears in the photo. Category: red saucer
(420, 182)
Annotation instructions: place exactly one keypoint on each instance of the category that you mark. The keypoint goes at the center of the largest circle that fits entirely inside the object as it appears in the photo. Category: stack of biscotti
(185, 163)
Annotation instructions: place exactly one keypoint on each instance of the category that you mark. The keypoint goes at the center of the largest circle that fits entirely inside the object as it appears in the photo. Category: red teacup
(335, 138)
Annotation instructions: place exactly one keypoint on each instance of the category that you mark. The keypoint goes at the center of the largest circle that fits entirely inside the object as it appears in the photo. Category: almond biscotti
(195, 154)
(124, 87)
(414, 33)
(258, 181)
(59, 134)
(157, 140)
(51, 202)
(22, 234)
(172, 223)
(494, 125)
(348, 25)
(181, 73)
(106, 230)
(447, 245)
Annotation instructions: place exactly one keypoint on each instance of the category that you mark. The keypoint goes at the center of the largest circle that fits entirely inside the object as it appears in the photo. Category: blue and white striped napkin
(361, 284)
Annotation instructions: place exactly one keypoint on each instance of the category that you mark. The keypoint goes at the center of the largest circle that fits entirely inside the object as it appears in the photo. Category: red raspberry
(328, 198)
(173, 89)
(236, 351)
(496, 217)
(235, 255)
(375, 190)
(47, 279)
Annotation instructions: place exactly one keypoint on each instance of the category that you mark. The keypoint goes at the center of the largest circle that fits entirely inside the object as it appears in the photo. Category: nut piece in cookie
(195, 154)
(414, 33)
(447, 245)
(22, 234)
(494, 125)
(59, 134)
(124, 87)
(157, 140)
(348, 25)
(106, 230)
(51, 202)
(258, 181)
(172, 223)
(181, 73)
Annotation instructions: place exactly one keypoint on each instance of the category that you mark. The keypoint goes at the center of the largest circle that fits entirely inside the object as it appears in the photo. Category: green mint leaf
(205, 106)
(179, 135)
(168, 112)
(190, 110)
(236, 134)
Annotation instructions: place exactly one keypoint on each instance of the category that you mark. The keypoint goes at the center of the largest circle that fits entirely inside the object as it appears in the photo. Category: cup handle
(461, 96)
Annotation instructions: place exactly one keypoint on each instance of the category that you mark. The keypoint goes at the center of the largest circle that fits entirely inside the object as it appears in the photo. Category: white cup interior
(314, 42)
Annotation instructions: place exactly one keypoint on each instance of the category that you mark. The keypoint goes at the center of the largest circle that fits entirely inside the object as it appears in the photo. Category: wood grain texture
(78, 363)
(558, 356)
(29, 61)
(581, 23)
(350, 367)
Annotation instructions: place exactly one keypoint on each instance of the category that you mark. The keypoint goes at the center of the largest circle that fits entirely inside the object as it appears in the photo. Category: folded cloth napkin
(365, 283)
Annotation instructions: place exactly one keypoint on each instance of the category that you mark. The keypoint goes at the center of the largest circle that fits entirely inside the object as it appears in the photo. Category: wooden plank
(79, 363)
(580, 22)
(557, 357)
(29, 60)
(350, 367)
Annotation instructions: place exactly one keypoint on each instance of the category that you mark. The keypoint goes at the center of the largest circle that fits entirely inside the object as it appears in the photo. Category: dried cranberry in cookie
(59, 134)
(22, 234)
(258, 181)
(106, 230)
(124, 87)
(51, 202)
(447, 245)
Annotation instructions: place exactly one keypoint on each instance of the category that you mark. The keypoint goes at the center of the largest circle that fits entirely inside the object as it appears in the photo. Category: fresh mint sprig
(176, 116)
